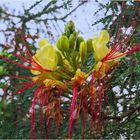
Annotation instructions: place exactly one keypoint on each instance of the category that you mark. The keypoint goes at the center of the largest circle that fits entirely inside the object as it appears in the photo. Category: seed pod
(89, 45)
(63, 43)
(72, 41)
(78, 42)
(83, 51)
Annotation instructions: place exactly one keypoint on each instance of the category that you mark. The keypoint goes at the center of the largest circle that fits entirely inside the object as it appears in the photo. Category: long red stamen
(33, 128)
(133, 50)
(100, 98)
(15, 63)
(72, 108)
(29, 85)
(123, 41)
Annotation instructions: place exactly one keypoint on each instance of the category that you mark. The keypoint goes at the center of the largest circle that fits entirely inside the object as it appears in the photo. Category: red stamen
(29, 85)
(72, 108)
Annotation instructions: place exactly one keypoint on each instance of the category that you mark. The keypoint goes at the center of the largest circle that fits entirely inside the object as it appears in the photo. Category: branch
(128, 113)
(34, 5)
(64, 17)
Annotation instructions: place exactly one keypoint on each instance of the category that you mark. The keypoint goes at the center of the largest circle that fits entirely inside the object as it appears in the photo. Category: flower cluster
(64, 66)
(73, 71)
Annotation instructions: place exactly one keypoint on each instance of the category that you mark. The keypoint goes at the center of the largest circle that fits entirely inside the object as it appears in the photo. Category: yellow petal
(104, 36)
(43, 42)
(46, 57)
(49, 83)
(99, 45)
(35, 72)
(100, 51)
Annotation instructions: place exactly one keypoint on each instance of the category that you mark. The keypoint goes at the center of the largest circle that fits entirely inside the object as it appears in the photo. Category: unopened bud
(78, 42)
(89, 45)
(59, 57)
(63, 43)
(70, 28)
(83, 51)
(72, 41)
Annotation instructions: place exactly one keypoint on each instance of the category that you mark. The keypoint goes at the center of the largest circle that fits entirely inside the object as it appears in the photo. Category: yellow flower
(46, 57)
(43, 42)
(101, 50)
(79, 77)
(54, 83)
(99, 45)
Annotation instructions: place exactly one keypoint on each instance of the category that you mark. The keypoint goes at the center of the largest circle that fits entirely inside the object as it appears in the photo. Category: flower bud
(72, 41)
(63, 43)
(83, 51)
(59, 57)
(78, 42)
(69, 28)
(89, 45)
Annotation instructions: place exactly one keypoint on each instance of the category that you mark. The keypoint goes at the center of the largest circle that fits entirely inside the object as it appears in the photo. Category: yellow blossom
(43, 42)
(99, 45)
(46, 57)
(54, 83)
(79, 77)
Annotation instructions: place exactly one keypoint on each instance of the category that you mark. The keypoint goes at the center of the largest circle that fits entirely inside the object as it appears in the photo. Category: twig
(128, 113)
(64, 17)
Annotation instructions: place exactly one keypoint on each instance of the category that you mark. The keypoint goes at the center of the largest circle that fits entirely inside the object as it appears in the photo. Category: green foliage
(123, 118)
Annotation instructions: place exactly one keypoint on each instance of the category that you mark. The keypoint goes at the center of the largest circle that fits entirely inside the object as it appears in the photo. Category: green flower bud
(67, 32)
(83, 51)
(72, 40)
(75, 34)
(60, 60)
(89, 45)
(78, 42)
(63, 43)
(69, 28)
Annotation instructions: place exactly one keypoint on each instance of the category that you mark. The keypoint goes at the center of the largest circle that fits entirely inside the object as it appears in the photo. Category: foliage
(122, 111)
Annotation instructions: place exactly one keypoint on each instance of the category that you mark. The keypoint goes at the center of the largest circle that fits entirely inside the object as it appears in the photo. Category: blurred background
(35, 19)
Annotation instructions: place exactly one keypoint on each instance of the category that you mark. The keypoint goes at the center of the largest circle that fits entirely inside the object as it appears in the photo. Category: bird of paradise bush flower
(59, 72)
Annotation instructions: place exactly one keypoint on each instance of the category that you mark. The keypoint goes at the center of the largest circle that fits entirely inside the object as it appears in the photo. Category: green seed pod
(89, 45)
(72, 40)
(63, 43)
(78, 42)
(83, 51)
